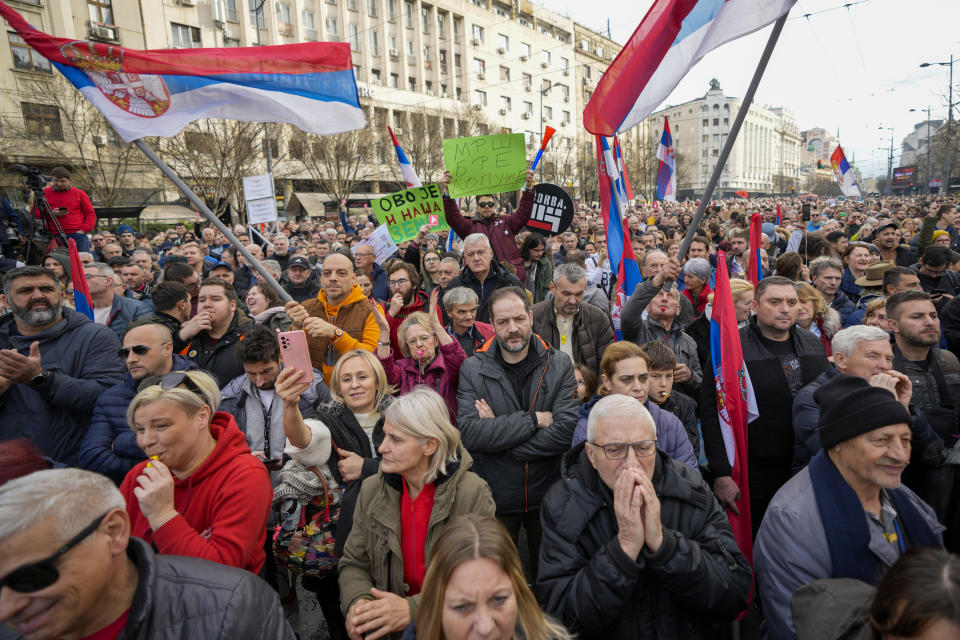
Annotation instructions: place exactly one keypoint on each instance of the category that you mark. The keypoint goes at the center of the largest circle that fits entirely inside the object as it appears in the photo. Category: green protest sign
(485, 164)
(404, 212)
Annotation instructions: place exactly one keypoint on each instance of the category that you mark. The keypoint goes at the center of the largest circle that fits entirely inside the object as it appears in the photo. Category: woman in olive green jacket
(426, 469)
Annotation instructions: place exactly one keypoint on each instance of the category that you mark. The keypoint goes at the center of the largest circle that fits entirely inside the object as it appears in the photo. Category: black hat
(889, 223)
(299, 261)
(850, 406)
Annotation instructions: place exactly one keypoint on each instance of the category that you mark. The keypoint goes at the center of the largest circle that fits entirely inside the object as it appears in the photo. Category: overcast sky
(852, 69)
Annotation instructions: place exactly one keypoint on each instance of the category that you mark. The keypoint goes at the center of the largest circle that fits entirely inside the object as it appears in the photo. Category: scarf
(848, 534)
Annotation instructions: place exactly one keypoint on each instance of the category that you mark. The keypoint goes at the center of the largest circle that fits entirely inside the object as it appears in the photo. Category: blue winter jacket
(81, 360)
(110, 447)
(124, 311)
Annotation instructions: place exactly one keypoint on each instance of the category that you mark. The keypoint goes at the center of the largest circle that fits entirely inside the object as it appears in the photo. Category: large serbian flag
(410, 176)
(667, 169)
(844, 174)
(736, 403)
(157, 93)
(671, 39)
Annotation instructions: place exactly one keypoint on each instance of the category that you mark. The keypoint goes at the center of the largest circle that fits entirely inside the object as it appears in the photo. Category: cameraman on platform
(72, 207)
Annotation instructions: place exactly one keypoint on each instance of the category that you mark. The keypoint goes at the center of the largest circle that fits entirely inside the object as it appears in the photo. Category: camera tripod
(42, 218)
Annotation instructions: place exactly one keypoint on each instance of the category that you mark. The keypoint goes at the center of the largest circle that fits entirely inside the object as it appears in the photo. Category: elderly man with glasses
(364, 257)
(635, 540)
(72, 570)
(110, 446)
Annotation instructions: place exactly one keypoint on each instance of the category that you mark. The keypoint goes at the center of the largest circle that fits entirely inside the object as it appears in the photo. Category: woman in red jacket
(431, 357)
(201, 493)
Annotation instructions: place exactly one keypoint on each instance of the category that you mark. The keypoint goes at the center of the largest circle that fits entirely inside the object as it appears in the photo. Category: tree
(101, 164)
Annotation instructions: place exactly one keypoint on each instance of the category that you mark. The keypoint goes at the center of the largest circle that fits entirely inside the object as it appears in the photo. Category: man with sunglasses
(54, 363)
(110, 446)
(110, 308)
(72, 570)
(501, 231)
(633, 539)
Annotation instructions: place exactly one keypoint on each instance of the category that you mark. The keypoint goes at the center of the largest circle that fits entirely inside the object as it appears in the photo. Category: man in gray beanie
(846, 515)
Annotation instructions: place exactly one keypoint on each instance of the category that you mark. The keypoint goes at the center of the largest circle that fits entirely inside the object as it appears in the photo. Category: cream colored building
(765, 157)
(469, 65)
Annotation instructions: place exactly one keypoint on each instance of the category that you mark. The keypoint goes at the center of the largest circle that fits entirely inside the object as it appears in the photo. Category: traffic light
(819, 164)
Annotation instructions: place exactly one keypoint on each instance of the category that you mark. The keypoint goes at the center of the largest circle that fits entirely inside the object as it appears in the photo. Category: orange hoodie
(222, 506)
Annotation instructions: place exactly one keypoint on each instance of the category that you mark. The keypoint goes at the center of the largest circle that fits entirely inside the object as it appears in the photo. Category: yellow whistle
(150, 464)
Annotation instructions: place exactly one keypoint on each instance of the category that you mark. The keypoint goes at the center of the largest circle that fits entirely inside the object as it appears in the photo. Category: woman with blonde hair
(475, 588)
(423, 481)
(816, 316)
(430, 356)
(201, 493)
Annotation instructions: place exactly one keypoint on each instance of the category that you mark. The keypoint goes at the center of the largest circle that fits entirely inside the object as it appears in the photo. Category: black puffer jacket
(518, 459)
(497, 278)
(179, 598)
(697, 579)
(217, 356)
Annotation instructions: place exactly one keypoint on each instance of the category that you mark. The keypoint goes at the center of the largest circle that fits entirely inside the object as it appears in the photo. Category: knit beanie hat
(850, 406)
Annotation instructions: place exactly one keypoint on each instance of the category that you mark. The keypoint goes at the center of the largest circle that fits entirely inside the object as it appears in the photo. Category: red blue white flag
(672, 37)
(157, 93)
(409, 175)
(754, 264)
(667, 170)
(844, 174)
(622, 166)
(736, 403)
(613, 209)
(81, 292)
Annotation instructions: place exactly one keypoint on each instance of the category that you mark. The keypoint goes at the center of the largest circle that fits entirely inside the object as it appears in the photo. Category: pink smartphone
(294, 352)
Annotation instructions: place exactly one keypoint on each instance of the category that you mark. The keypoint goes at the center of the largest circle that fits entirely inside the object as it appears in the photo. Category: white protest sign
(261, 203)
(382, 243)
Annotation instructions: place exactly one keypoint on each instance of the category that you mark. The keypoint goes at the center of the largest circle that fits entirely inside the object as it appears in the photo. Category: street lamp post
(266, 131)
(929, 177)
(945, 183)
(889, 159)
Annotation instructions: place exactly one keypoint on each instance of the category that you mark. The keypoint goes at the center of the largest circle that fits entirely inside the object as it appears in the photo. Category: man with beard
(780, 359)
(71, 206)
(448, 270)
(887, 239)
(406, 297)
(54, 364)
(280, 250)
(217, 326)
(250, 398)
(582, 331)
(516, 412)
(135, 283)
(737, 261)
(933, 372)
(128, 241)
(110, 445)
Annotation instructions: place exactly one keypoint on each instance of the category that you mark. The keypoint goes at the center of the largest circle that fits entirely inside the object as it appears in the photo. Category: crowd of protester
(493, 440)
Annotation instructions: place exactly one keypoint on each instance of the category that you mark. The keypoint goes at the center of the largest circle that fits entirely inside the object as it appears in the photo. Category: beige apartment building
(765, 158)
(429, 69)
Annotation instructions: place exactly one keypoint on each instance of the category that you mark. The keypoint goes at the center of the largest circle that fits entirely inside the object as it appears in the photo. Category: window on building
(527, 80)
(374, 43)
(566, 117)
(412, 84)
(354, 32)
(716, 122)
(372, 8)
(408, 14)
(308, 20)
(525, 49)
(442, 59)
(480, 97)
(411, 51)
(284, 20)
(393, 43)
(331, 23)
(545, 86)
(457, 29)
(726, 121)
(257, 18)
(478, 33)
(528, 108)
(545, 57)
(100, 13)
(586, 72)
(459, 94)
(428, 85)
(705, 137)
(565, 92)
(506, 103)
(185, 36)
(426, 54)
(395, 80)
(42, 120)
(547, 113)
(425, 15)
(503, 42)
(26, 57)
(479, 66)
(392, 10)
(442, 26)
(564, 64)
(715, 152)
(504, 73)
(457, 58)
(231, 10)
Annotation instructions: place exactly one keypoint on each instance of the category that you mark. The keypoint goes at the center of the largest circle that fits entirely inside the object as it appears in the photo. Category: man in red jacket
(71, 206)
(500, 231)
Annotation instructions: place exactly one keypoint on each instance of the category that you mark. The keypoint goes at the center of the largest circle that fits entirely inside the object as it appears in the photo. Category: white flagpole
(224, 229)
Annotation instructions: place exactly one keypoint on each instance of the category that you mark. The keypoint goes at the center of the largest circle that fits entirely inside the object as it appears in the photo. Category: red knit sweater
(223, 505)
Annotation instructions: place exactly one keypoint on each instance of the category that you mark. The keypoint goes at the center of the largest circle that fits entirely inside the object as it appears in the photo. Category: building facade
(765, 157)
(431, 70)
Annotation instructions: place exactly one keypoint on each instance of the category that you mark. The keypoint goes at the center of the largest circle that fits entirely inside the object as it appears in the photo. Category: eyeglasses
(618, 450)
(486, 204)
(139, 349)
(421, 340)
(173, 380)
(397, 283)
(43, 573)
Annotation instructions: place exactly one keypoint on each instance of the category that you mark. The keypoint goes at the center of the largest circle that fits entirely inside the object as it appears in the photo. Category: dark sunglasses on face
(139, 349)
(486, 204)
(43, 573)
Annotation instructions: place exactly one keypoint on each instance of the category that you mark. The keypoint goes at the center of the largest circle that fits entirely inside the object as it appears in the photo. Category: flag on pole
(409, 175)
(157, 93)
(613, 208)
(754, 265)
(622, 166)
(81, 292)
(667, 171)
(844, 174)
(779, 216)
(736, 403)
(672, 37)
